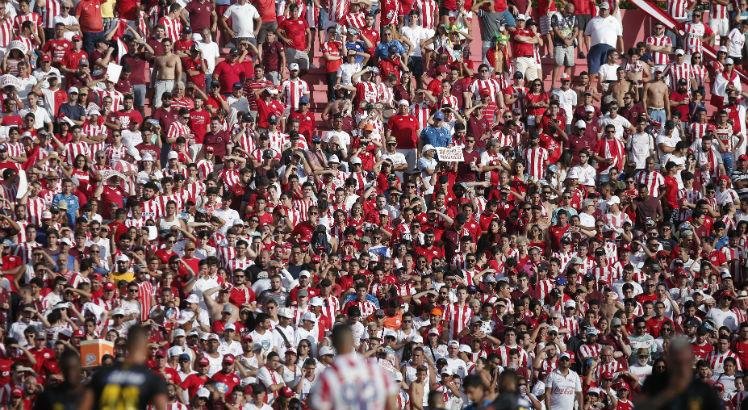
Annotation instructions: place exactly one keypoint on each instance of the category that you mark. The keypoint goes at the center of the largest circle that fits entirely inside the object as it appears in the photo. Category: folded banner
(450, 154)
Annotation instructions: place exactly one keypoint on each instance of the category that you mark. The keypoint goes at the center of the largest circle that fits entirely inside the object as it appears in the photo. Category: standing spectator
(245, 22)
(88, 13)
(604, 33)
(294, 32)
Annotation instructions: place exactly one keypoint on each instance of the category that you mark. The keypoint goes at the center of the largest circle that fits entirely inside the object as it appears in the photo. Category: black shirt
(698, 395)
(60, 396)
(122, 386)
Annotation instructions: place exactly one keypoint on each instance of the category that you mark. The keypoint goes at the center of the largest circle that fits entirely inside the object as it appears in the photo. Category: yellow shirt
(127, 277)
(107, 9)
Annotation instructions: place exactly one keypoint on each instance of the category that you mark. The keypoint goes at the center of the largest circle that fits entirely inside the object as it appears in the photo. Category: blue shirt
(383, 49)
(356, 46)
(72, 203)
(436, 136)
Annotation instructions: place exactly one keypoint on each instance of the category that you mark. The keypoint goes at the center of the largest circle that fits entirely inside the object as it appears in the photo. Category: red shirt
(523, 49)
(199, 121)
(228, 74)
(306, 123)
(57, 48)
(671, 191)
(333, 48)
(89, 17)
(266, 8)
(230, 379)
(295, 31)
(200, 12)
(73, 58)
(405, 129)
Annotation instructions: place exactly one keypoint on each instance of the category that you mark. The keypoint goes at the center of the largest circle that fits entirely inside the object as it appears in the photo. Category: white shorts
(529, 67)
(720, 27)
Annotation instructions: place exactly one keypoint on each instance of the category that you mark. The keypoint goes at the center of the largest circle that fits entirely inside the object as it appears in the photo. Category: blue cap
(439, 115)
(237, 85)
(561, 281)
(304, 100)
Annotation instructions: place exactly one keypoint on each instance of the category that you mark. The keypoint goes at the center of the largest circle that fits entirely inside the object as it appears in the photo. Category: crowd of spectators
(239, 178)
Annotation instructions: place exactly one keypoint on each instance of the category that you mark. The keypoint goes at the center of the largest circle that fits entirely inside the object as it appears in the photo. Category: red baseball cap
(17, 392)
(109, 286)
(228, 359)
(46, 58)
(203, 361)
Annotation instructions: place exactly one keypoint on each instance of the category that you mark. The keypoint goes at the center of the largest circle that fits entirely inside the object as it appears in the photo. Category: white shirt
(567, 100)
(41, 116)
(669, 141)
(210, 53)
(604, 30)
(619, 122)
(722, 318)
(563, 389)
(640, 145)
(608, 72)
(346, 71)
(735, 43)
(415, 35)
(242, 19)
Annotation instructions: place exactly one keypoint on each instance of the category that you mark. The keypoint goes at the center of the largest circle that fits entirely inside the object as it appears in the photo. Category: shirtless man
(620, 87)
(657, 98)
(417, 388)
(584, 85)
(168, 68)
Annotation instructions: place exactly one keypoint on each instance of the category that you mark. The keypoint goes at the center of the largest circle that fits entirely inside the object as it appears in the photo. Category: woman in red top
(536, 102)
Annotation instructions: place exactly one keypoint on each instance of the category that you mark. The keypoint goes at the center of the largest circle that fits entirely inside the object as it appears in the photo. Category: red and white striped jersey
(355, 20)
(204, 167)
(587, 350)
(492, 85)
(457, 317)
(152, 209)
(659, 58)
(177, 198)
(427, 9)
(145, 297)
(616, 221)
(699, 72)
(116, 96)
(503, 352)
(6, 32)
(339, 8)
(678, 72)
(51, 10)
(612, 367)
(115, 153)
(293, 90)
(235, 263)
(537, 159)
(385, 94)
(352, 382)
(422, 112)
(330, 306)
(177, 129)
(230, 177)
(34, 209)
(302, 205)
(172, 26)
(653, 180)
(695, 33)
(74, 149)
(449, 100)
(716, 361)
(677, 9)
(35, 18)
(719, 11)
(15, 149)
(609, 273)
(278, 140)
(571, 324)
(698, 130)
